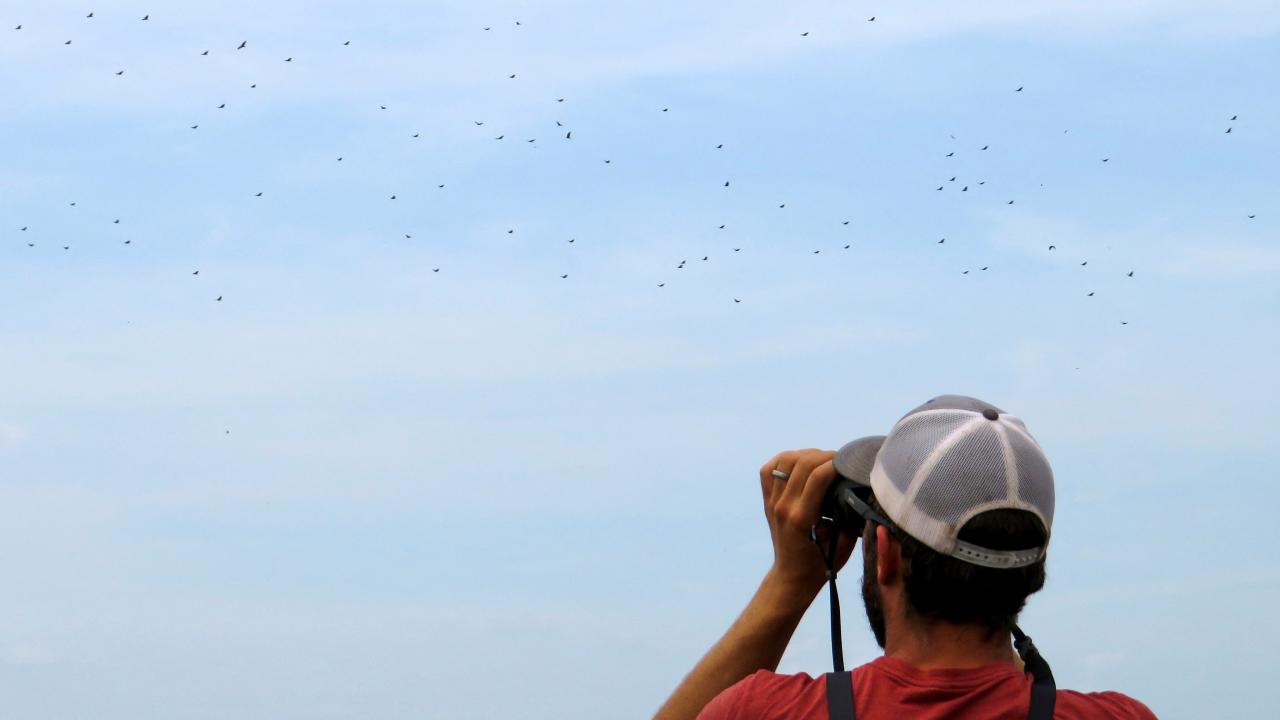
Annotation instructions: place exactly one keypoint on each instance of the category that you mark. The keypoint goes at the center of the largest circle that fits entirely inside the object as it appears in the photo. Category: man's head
(902, 576)
(958, 502)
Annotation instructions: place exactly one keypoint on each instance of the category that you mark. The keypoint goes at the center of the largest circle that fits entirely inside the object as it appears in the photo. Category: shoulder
(766, 694)
(1072, 705)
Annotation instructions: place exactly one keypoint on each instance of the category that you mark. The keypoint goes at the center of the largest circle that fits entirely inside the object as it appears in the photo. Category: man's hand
(792, 506)
(760, 635)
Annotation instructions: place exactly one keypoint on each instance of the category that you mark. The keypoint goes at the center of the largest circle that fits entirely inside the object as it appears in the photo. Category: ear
(888, 557)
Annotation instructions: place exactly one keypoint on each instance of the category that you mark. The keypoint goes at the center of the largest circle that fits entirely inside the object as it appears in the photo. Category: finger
(815, 488)
(771, 485)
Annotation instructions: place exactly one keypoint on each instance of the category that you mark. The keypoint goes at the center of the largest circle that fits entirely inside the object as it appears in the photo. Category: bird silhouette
(563, 277)
(146, 17)
(942, 241)
(219, 299)
(1130, 273)
(1019, 89)
(1090, 295)
(804, 34)
(120, 73)
(241, 47)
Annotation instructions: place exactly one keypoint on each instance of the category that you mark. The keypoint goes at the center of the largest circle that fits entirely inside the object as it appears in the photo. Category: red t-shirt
(889, 688)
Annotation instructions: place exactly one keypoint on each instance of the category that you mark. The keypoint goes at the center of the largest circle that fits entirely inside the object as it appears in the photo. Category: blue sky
(358, 487)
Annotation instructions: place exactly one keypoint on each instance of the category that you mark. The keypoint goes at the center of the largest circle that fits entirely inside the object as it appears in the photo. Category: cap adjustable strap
(998, 559)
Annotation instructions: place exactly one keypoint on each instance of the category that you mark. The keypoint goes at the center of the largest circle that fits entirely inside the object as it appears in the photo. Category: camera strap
(829, 557)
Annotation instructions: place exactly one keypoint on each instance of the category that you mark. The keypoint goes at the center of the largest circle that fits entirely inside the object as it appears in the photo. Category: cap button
(990, 414)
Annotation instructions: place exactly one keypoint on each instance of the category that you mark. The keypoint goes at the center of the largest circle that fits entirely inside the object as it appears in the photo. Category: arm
(760, 635)
(755, 641)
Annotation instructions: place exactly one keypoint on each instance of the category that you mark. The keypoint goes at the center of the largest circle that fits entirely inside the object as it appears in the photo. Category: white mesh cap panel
(946, 462)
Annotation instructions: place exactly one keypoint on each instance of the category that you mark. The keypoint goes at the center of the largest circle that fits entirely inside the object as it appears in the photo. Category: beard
(871, 600)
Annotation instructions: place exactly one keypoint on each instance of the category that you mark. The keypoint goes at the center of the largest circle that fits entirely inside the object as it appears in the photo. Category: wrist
(788, 593)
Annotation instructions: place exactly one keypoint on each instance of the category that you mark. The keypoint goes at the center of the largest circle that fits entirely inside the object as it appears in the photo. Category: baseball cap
(945, 462)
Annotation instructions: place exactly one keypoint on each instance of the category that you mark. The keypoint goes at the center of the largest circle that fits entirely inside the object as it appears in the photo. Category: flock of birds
(950, 182)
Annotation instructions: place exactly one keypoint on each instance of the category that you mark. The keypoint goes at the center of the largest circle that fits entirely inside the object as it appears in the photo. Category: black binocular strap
(840, 695)
(1044, 692)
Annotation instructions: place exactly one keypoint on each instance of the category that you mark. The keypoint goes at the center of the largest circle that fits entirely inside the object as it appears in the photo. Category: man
(956, 511)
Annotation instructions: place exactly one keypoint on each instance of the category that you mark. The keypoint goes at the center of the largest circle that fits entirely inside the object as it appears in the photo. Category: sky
(359, 486)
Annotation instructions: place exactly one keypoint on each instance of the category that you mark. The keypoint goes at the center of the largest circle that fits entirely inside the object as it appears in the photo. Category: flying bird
(804, 34)
(120, 73)
(942, 241)
(146, 17)
(241, 47)
(222, 106)
(737, 300)
(258, 195)
(950, 154)
(206, 52)
(1130, 273)
(1086, 262)
(1228, 129)
(1233, 117)
(288, 59)
(219, 299)
(563, 277)
(1019, 89)
(871, 19)
(1089, 295)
